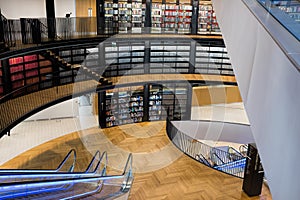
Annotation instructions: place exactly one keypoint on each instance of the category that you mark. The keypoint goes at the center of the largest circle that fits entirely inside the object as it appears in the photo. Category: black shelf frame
(131, 105)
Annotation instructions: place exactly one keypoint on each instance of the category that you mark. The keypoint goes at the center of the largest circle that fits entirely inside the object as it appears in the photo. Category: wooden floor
(161, 170)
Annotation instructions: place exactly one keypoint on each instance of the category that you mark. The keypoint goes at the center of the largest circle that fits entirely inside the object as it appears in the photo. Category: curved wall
(269, 84)
(216, 131)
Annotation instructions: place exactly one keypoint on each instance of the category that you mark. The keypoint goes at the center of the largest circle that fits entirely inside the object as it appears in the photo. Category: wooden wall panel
(82, 7)
(84, 22)
(215, 95)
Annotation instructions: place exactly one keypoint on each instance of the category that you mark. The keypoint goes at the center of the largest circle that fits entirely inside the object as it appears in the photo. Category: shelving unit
(157, 16)
(156, 109)
(207, 21)
(128, 104)
(124, 105)
(27, 70)
(123, 58)
(184, 18)
(138, 15)
(212, 60)
(170, 18)
(124, 16)
(24, 70)
(169, 57)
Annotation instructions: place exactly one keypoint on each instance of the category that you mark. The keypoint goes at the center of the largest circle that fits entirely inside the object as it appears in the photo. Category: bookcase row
(150, 102)
(24, 70)
(167, 16)
(130, 57)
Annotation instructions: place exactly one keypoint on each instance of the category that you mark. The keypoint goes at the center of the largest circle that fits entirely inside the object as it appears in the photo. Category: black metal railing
(27, 100)
(8, 36)
(228, 162)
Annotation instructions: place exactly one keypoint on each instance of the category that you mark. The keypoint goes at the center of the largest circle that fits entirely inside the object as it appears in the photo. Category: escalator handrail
(15, 188)
(128, 164)
(93, 160)
(243, 161)
(25, 171)
(52, 173)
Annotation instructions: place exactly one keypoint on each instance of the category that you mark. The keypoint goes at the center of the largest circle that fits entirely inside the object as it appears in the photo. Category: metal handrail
(26, 171)
(20, 188)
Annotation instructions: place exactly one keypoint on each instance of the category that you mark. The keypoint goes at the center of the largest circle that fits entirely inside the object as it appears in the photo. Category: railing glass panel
(286, 12)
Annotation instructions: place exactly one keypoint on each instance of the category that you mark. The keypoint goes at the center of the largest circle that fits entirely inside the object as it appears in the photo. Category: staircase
(225, 159)
(55, 59)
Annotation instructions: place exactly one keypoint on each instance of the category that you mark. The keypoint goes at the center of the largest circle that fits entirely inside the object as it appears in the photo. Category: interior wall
(15, 9)
(63, 7)
(205, 95)
(82, 7)
(66, 109)
(270, 85)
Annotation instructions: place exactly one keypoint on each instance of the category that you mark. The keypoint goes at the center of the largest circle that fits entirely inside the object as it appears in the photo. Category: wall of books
(124, 106)
(150, 102)
(166, 16)
(125, 15)
(124, 58)
(207, 21)
(28, 70)
(212, 60)
(171, 16)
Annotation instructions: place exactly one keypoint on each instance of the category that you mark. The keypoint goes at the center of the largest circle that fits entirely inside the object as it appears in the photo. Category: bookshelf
(138, 15)
(184, 18)
(16, 69)
(124, 58)
(124, 106)
(292, 9)
(128, 104)
(28, 70)
(157, 16)
(169, 56)
(170, 17)
(124, 16)
(212, 60)
(156, 110)
(207, 21)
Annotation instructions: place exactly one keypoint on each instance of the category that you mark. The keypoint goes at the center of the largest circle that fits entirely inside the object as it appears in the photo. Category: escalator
(225, 159)
(61, 184)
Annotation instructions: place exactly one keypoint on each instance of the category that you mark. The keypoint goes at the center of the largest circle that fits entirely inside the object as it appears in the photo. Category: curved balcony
(36, 79)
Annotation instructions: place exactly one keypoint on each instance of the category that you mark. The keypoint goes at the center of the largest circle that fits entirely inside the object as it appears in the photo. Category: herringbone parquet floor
(161, 170)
